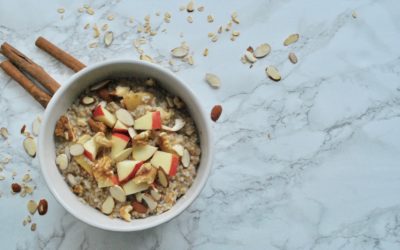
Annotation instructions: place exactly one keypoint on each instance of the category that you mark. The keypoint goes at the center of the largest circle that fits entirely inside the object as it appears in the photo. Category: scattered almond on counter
(216, 112)
(292, 58)
(42, 207)
(15, 188)
(291, 39)
(273, 73)
(213, 80)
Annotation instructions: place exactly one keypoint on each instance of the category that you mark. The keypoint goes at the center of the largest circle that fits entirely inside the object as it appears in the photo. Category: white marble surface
(311, 162)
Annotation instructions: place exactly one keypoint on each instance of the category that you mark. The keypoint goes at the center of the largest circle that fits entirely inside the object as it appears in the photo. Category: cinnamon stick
(42, 97)
(31, 67)
(59, 54)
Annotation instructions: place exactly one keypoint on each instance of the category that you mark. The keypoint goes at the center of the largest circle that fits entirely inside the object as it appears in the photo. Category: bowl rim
(187, 201)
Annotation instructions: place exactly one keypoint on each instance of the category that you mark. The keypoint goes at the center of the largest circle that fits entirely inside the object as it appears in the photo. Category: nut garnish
(180, 52)
(139, 207)
(214, 38)
(4, 132)
(76, 149)
(42, 207)
(178, 148)
(36, 126)
(108, 205)
(132, 132)
(213, 80)
(146, 58)
(61, 10)
(234, 17)
(190, 6)
(33, 227)
(273, 73)
(64, 129)
(250, 57)
(108, 38)
(96, 126)
(291, 39)
(87, 100)
(216, 112)
(262, 51)
(205, 52)
(150, 201)
(162, 177)
(125, 117)
(16, 188)
(155, 194)
(118, 193)
(124, 212)
(210, 18)
(179, 124)
(185, 158)
(292, 58)
(96, 31)
(30, 146)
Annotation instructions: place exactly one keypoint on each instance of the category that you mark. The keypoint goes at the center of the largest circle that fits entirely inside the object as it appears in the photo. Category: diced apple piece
(107, 182)
(123, 155)
(84, 163)
(151, 120)
(131, 187)
(169, 162)
(119, 142)
(133, 100)
(143, 152)
(127, 170)
(103, 115)
(90, 149)
(119, 127)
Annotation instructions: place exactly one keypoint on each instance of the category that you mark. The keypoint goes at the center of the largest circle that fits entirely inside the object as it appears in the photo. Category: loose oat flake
(291, 39)
(213, 80)
(273, 73)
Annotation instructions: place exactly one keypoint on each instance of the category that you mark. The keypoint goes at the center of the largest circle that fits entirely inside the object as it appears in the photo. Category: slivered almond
(108, 38)
(139, 207)
(180, 52)
(139, 197)
(162, 177)
(179, 124)
(62, 161)
(262, 51)
(125, 117)
(87, 100)
(291, 39)
(250, 57)
(151, 203)
(32, 206)
(42, 207)
(292, 58)
(273, 73)
(100, 85)
(36, 126)
(213, 80)
(155, 194)
(146, 58)
(178, 148)
(76, 149)
(108, 205)
(185, 158)
(118, 193)
(4, 132)
(30, 146)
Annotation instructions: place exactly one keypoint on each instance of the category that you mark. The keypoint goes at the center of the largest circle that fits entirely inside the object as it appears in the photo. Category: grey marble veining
(310, 162)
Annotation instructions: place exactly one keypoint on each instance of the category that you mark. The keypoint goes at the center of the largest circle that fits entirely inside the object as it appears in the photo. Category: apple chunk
(132, 100)
(132, 188)
(119, 142)
(151, 120)
(169, 162)
(143, 152)
(127, 170)
(107, 181)
(103, 115)
(119, 127)
(90, 149)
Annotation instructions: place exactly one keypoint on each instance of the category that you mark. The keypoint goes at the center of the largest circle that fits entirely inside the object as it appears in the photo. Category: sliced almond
(36, 126)
(125, 212)
(185, 158)
(146, 58)
(108, 38)
(292, 58)
(179, 124)
(151, 203)
(139, 207)
(162, 177)
(32, 206)
(42, 207)
(213, 80)
(216, 112)
(122, 90)
(132, 132)
(118, 193)
(291, 39)
(180, 52)
(108, 205)
(139, 197)
(210, 18)
(262, 51)
(178, 148)
(273, 73)
(62, 161)
(123, 155)
(96, 31)
(76, 149)
(125, 117)
(190, 6)
(205, 52)
(235, 18)
(30, 146)
(100, 85)
(4, 132)
(156, 195)
(250, 57)
(189, 19)
(87, 100)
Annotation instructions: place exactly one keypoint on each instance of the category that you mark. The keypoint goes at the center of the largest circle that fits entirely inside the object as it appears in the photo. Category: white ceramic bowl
(64, 98)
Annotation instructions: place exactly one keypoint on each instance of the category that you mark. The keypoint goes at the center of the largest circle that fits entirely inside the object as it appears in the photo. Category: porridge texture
(128, 148)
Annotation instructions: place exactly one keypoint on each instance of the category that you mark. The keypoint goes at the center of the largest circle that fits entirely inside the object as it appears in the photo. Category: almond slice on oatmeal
(108, 205)
(62, 161)
(179, 124)
(155, 194)
(178, 148)
(125, 117)
(273, 73)
(132, 132)
(185, 158)
(151, 203)
(87, 100)
(118, 193)
(76, 149)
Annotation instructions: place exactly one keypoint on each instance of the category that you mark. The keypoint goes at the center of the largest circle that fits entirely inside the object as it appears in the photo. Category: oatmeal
(127, 148)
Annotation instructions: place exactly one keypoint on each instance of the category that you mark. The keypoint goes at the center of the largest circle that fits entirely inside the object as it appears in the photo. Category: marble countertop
(310, 162)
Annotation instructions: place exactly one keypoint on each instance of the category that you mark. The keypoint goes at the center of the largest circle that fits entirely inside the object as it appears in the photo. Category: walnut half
(64, 129)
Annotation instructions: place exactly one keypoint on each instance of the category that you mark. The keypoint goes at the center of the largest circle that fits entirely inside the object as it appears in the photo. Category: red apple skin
(98, 111)
(132, 174)
(114, 180)
(88, 155)
(156, 120)
(174, 165)
(122, 136)
(117, 130)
